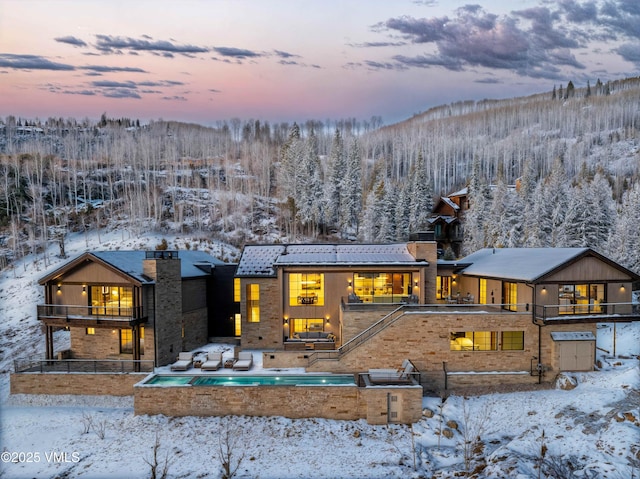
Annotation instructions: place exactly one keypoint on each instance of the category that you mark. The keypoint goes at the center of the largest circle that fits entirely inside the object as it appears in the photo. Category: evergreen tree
(351, 202)
(421, 196)
(475, 216)
(337, 171)
(624, 238)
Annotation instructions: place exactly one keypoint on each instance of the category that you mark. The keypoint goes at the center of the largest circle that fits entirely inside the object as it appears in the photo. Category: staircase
(360, 338)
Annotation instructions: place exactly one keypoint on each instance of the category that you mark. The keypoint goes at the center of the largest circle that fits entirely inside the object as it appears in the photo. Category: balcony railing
(69, 312)
(573, 312)
(82, 366)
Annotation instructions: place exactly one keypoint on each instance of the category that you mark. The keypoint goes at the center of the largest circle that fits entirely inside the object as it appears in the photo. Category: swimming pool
(258, 380)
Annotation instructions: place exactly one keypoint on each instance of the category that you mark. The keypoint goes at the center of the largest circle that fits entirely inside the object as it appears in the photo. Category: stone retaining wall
(93, 384)
(329, 402)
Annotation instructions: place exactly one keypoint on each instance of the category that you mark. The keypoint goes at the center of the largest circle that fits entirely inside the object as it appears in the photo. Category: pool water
(263, 380)
(169, 380)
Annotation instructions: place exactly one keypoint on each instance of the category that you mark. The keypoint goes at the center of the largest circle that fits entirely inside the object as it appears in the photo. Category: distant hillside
(252, 181)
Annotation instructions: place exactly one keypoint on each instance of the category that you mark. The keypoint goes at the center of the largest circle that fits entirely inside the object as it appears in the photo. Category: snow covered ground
(593, 429)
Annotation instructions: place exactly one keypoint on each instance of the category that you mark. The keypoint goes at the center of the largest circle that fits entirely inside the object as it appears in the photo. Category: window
(510, 296)
(512, 341)
(126, 341)
(382, 287)
(236, 290)
(141, 339)
(253, 303)
(238, 324)
(306, 324)
(581, 298)
(443, 287)
(91, 331)
(474, 341)
(111, 300)
(483, 291)
(306, 289)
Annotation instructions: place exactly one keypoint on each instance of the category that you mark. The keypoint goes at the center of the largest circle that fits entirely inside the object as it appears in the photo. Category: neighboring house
(498, 315)
(446, 221)
(138, 305)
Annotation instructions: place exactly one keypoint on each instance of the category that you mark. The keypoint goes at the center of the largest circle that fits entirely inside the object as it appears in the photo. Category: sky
(285, 60)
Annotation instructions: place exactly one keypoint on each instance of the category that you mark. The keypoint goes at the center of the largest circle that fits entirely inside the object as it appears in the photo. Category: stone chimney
(165, 314)
(423, 247)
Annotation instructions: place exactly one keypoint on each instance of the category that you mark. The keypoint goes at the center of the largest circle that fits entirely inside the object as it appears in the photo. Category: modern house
(499, 315)
(138, 305)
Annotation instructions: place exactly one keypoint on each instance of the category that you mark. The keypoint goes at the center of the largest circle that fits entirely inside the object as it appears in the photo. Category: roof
(450, 203)
(519, 264)
(263, 260)
(193, 264)
(573, 336)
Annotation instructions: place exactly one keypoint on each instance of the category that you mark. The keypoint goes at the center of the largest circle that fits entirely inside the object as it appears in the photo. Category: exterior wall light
(286, 320)
(327, 318)
(59, 289)
(544, 289)
(84, 289)
(350, 283)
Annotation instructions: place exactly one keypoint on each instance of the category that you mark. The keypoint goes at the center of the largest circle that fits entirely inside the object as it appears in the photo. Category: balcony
(89, 316)
(586, 313)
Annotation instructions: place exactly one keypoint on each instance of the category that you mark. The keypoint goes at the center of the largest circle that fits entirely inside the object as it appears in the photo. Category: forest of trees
(575, 158)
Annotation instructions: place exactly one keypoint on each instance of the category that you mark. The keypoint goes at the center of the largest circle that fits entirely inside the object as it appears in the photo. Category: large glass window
(236, 290)
(112, 300)
(443, 287)
(483, 291)
(581, 298)
(301, 325)
(126, 341)
(510, 296)
(306, 288)
(474, 341)
(382, 287)
(253, 303)
(512, 341)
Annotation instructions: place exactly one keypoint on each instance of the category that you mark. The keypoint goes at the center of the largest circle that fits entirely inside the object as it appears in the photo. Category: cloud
(213, 90)
(630, 52)
(107, 69)
(70, 40)
(114, 84)
(537, 42)
(31, 62)
(282, 54)
(174, 98)
(116, 44)
(239, 53)
(121, 93)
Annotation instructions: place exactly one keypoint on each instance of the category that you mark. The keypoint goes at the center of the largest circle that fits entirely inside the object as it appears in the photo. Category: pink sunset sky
(286, 60)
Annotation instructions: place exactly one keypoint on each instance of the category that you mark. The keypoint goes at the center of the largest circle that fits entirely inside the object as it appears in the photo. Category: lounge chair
(184, 362)
(392, 375)
(213, 362)
(244, 362)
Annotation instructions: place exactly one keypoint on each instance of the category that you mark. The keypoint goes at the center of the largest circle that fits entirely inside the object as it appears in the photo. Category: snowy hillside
(591, 431)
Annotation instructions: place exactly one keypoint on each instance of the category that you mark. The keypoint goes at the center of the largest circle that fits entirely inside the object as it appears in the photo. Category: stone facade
(167, 310)
(268, 333)
(94, 384)
(329, 402)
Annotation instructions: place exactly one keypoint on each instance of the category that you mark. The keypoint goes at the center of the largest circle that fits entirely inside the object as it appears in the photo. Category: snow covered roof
(519, 264)
(463, 192)
(263, 260)
(450, 203)
(573, 336)
(193, 264)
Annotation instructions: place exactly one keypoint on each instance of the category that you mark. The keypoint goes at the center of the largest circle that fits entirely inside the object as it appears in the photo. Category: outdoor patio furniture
(184, 362)
(244, 362)
(392, 375)
(213, 362)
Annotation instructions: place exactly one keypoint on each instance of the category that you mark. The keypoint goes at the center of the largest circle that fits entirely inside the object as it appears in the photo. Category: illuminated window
(510, 296)
(141, 339)
(253, 303)
(443, 287)
(238, 324)
(483, 291)
(382, 287)
(474, 341)
(112, 300)
(236, 290)
(301, 325)
(581, 298)
(306, 288)
(512, 341)
(126, 341)
(91, 331)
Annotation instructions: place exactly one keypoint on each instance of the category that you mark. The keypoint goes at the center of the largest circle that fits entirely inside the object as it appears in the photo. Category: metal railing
(83, 365)
(592, 310)
(64, 311)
